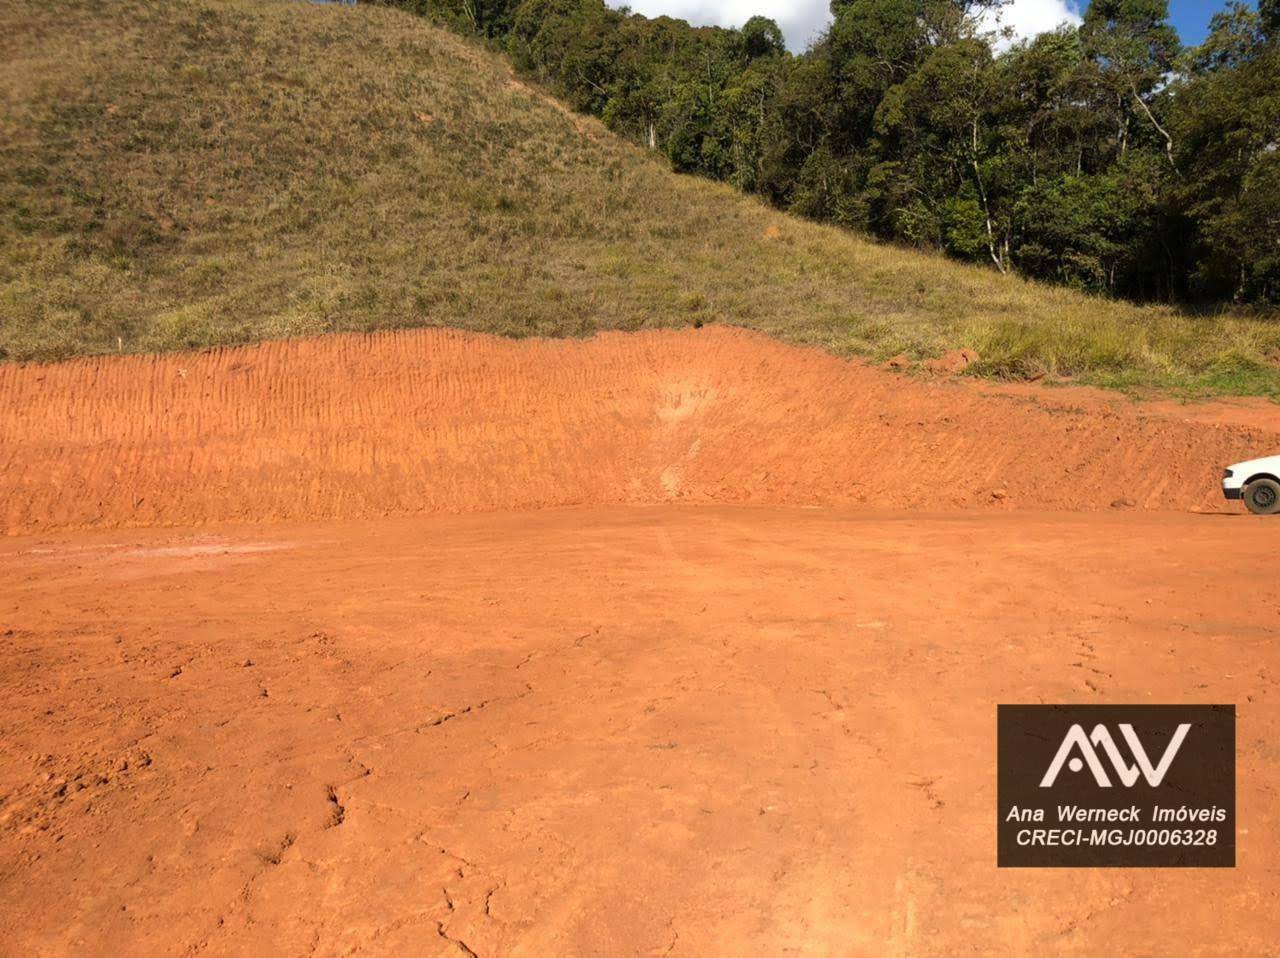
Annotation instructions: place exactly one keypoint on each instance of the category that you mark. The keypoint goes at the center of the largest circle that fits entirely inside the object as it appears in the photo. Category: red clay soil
(442, 421)
(720, 730)
(631, 727)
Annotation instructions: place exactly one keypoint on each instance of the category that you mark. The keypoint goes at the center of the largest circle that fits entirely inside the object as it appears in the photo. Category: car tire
(1262, 497)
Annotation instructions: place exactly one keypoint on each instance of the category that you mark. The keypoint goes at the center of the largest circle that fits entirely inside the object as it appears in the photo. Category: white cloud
(803, 20)
(1031, 17)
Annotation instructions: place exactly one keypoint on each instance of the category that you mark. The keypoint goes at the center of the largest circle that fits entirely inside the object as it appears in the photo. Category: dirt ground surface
(664, 730)
(633, 646)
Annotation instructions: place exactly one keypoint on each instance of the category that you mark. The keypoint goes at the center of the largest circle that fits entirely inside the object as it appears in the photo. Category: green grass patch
(206, 172)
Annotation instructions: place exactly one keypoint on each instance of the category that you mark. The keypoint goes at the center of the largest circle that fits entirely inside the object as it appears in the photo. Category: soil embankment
(442, 421)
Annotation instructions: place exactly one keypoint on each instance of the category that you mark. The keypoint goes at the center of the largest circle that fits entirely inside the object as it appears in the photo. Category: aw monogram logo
(1087, 745)
(1115, 786)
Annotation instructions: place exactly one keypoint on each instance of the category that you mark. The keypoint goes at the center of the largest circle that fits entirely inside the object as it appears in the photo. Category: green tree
(760, 37)
(1101, 156)
(938, 126)
(1227, 119)
(1132, 47)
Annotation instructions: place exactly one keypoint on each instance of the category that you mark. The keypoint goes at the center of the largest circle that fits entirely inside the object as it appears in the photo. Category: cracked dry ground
(648, 730)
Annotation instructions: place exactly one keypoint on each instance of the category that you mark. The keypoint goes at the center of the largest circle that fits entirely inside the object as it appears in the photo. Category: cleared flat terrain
(675, 640)
(642, 730)
(680, 643)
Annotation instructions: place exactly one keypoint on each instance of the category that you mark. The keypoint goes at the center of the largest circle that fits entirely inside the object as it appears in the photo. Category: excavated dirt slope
(605, 730)
(434, 420)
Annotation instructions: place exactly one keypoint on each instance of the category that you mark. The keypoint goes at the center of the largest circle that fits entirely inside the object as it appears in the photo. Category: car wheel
(1262, 497)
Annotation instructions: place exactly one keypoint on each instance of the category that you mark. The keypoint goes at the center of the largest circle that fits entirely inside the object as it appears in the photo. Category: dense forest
(1106, 157)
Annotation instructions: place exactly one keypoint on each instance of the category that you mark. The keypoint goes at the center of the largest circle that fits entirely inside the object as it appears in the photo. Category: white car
(1257, 482)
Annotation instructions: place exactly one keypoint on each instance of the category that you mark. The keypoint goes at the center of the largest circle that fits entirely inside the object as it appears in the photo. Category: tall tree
(1132, 47)
(1097, 156)
(1227, 117)
(938, 126)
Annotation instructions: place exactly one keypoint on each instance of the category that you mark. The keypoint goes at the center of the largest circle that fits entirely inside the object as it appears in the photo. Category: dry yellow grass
(202, 172)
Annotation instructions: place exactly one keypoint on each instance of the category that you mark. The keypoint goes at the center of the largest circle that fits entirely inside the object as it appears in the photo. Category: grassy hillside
(195, 172)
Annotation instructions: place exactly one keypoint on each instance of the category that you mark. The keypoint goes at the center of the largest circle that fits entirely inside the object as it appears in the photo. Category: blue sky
(1191, 17)
(802, 20)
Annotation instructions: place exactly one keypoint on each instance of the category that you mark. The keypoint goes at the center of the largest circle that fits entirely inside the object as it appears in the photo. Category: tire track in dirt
(443, 421)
